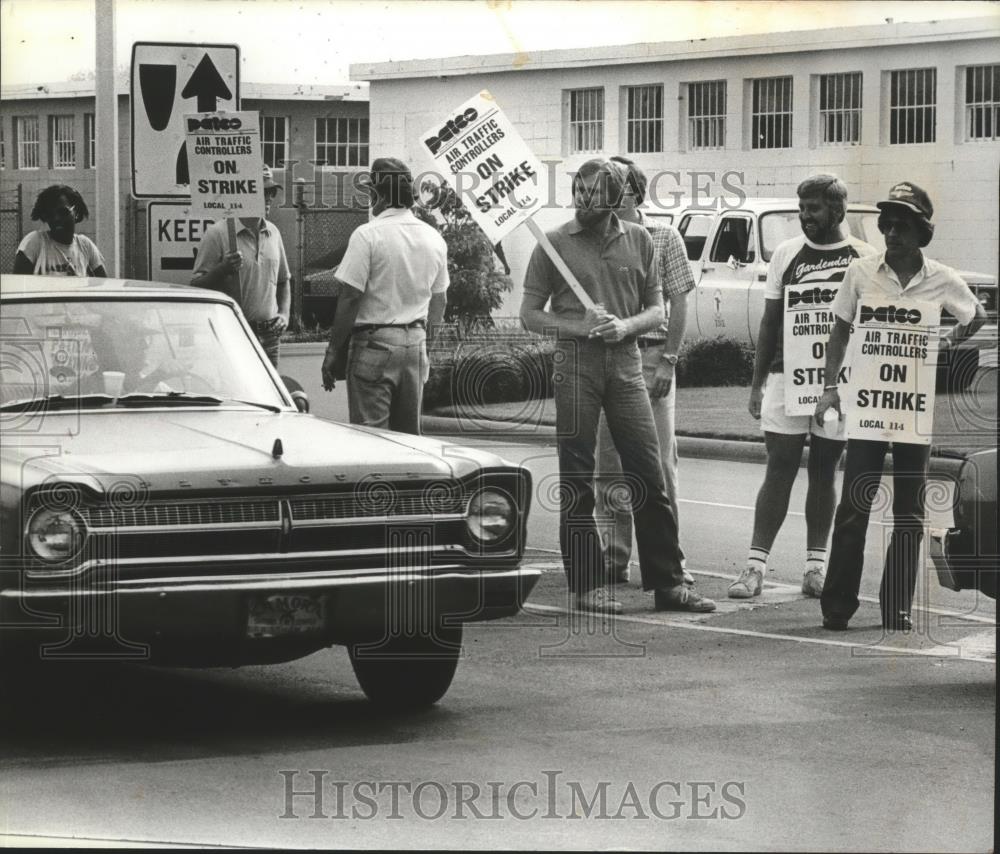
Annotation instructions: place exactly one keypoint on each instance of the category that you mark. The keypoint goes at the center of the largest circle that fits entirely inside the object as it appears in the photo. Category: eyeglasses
(900, 225)
(63, 211)
(271, 192)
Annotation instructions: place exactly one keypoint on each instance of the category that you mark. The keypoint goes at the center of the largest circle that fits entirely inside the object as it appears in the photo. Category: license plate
(282, 615)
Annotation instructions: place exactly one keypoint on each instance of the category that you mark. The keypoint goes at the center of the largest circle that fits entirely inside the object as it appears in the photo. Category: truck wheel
(956, 370)
(407, 672)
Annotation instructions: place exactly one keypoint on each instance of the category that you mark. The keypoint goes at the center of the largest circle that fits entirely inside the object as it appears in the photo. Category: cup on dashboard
(113, 382)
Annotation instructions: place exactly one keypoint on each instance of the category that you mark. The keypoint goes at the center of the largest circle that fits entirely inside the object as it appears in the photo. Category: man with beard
(598, 367)
(820, 254)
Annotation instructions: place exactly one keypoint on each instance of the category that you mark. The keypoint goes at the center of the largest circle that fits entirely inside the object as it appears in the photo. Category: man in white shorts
(820, 255)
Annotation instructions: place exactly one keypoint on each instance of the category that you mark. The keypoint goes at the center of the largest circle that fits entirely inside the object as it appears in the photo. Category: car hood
(229, 450)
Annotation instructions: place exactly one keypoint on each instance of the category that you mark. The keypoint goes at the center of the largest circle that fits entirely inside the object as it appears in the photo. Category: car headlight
(55, 535)
(491, 515)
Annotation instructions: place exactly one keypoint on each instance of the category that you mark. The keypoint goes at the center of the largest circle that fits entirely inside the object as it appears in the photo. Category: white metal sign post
(173, 238)
(478, 141)
(168, 81)
(890, 396)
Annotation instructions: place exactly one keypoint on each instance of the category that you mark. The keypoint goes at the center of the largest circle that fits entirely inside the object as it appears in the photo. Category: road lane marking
(982, 644)
(945, 651)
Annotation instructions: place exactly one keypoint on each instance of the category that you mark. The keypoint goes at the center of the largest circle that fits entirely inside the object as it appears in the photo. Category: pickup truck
(729, 250)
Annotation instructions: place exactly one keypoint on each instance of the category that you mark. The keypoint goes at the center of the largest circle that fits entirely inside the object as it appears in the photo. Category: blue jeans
(614, 519)
(591, 377)
(862, 476)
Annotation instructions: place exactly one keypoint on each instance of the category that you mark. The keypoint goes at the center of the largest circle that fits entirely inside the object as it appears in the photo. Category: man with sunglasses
(901, 272)
(256, 275)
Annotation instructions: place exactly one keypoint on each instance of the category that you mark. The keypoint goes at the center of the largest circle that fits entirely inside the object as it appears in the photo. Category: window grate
(912, 106)
(26, 142)
(707, 115)
(644, 121)
(274, 140)
(772, 113)
(586, 120)
(840, 108)
(982, 102)
(341, 142)
(62, 141)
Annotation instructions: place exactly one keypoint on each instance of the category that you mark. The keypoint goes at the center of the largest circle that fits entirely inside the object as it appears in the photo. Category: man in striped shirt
(658, 349)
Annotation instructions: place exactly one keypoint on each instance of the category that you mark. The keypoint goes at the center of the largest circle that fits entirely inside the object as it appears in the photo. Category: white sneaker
(748, 585)
(812, 583)
(600, 600)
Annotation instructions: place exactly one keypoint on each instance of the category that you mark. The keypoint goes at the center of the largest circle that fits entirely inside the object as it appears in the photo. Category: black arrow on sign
(206, 84)
(179, 263)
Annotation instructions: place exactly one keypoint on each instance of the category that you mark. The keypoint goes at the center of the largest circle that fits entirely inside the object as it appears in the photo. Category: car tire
(407, 672)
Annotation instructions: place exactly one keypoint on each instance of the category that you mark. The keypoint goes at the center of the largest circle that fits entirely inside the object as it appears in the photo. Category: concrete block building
(748, 114)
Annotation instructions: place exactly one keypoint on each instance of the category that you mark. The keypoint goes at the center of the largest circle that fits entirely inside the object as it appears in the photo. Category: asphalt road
(749, 729)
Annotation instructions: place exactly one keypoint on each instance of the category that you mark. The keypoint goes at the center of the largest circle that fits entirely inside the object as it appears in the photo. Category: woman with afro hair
(57, 250)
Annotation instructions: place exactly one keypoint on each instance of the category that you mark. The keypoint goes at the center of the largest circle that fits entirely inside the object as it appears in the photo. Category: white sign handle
(556, 259)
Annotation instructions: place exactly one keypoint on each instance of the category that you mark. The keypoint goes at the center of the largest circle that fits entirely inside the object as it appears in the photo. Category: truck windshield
(778, 226)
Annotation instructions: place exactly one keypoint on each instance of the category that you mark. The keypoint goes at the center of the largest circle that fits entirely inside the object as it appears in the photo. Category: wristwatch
(670, 358)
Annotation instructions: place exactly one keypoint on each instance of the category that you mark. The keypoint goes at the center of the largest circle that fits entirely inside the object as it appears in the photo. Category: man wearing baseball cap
(901, 272)
(256, 274)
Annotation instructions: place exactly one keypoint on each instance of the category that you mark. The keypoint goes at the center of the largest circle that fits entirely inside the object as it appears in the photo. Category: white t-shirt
(397, 262)
(51, 258)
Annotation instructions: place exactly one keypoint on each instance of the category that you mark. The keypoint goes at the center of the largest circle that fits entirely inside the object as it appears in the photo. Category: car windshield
(126, 353)
(778, 226)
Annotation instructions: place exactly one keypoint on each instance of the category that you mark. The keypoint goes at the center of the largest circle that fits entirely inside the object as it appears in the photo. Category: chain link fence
(322, 240)
(11, 225)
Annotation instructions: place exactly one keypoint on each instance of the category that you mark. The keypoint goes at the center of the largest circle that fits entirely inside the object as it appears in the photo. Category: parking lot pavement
(782, 615)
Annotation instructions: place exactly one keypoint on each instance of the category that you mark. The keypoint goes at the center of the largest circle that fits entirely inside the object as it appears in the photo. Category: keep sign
(806, 329)
(495, 174)
(890, 396)
(226, 166)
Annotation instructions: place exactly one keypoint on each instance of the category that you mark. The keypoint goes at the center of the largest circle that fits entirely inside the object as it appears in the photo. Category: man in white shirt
(901, 272)
(392, 287)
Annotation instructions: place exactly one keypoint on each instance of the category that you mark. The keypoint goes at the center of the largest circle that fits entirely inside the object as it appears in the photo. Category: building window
(840, 108)
(89, 141)
(26, 144)
(644, 118)
(771, 116)
(912, 106)
(982, 102)
(274, 140)
(586, 120)
(62, 142)
(341, 142)
(706, 103)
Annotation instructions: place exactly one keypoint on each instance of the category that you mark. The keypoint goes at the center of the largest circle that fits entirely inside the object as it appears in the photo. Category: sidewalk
(715, 423)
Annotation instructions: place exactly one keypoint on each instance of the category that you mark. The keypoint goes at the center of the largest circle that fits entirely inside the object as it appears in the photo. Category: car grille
(387, 502)
(183, 515)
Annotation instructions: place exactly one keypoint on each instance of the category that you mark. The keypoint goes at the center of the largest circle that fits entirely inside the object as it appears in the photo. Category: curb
(694, 447)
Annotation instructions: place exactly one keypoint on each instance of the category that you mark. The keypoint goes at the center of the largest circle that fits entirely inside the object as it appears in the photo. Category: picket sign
(479, 141)
(891, 392)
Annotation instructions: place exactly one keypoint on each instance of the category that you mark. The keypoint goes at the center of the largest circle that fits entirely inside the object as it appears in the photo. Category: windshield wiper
(55, 402)
(183, 398)
(168, 398)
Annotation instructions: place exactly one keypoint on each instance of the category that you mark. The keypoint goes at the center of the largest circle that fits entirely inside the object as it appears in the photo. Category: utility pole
(106, 128)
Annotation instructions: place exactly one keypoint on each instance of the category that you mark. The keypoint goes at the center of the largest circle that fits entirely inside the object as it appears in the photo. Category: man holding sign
(889, 289)
(598, 367)
(254, 271)
(802, 279)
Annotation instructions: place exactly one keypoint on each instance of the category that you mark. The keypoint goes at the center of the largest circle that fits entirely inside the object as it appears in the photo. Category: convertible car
(164, 499)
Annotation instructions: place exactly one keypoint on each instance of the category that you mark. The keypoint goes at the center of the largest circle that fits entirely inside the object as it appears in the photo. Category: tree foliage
(477, 285)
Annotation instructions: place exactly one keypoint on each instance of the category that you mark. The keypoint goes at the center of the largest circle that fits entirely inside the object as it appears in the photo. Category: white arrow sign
(169, 80)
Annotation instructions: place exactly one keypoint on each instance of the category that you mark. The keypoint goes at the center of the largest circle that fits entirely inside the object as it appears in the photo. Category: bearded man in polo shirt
(393, 282)
(599, 368)
(901, 272)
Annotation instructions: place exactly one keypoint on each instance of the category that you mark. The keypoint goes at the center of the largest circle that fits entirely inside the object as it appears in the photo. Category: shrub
(715, 362)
